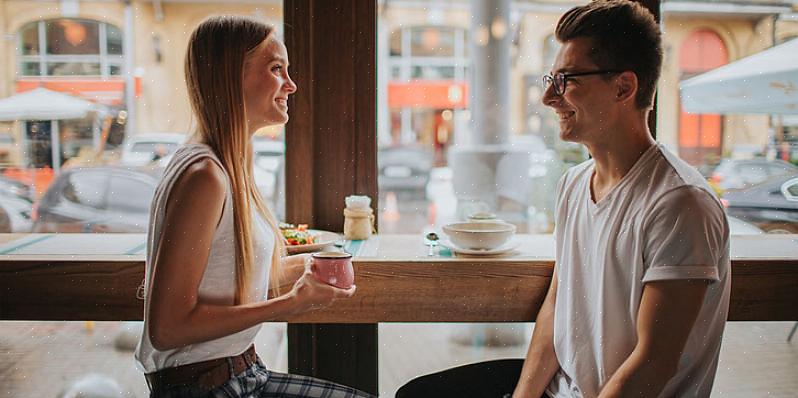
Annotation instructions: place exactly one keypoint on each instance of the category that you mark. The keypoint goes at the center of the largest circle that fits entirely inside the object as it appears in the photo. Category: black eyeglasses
(559, 80)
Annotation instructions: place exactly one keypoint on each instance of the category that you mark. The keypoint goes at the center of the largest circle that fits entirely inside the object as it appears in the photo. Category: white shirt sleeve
(685, 236)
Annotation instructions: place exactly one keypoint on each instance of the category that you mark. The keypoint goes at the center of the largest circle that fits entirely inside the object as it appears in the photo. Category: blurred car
(738, 174)
(740, 227)
(404, 169)
(269, 172)
(15, 213)
(142, 149)
(97, 199)
(15, 188)
(771, 205)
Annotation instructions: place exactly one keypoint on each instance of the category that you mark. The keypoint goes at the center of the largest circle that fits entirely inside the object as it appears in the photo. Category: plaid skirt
(259, 382)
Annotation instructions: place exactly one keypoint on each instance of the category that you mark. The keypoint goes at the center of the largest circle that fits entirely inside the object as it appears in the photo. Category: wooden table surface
(397, 281)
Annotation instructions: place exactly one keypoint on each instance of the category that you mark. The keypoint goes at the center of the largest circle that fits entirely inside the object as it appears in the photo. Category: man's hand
(668, 310)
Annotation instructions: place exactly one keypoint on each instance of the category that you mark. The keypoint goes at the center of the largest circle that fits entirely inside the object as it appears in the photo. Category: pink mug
(334, 268)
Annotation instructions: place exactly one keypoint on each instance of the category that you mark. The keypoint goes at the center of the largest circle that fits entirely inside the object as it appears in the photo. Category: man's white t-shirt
(660, 222)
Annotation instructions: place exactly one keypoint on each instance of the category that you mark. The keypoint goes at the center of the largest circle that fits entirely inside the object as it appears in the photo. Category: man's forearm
(541, 360)
(540, 364)
(641, 375)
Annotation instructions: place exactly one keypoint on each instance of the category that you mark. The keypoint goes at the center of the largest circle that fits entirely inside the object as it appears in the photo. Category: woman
(214, 247)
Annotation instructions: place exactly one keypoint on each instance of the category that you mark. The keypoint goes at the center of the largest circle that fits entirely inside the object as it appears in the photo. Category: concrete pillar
(129, 53)
(485, 166)
(490, 60)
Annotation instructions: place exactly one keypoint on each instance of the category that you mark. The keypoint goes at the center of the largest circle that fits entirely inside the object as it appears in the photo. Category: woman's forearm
(208, 322)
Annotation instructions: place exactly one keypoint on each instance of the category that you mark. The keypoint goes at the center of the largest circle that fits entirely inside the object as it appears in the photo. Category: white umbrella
(44, 104)
(766, 82)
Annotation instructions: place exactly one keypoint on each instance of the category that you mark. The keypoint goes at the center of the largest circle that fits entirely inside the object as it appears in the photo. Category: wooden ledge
(410, 288)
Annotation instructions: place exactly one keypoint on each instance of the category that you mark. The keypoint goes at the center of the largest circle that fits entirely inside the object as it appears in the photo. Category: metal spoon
(431, 240)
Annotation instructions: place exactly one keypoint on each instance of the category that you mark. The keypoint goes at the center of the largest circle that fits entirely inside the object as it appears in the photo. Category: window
(433, 168)
(70, 47)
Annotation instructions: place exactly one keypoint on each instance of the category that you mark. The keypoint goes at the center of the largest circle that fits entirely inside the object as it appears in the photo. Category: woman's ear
(626, 87)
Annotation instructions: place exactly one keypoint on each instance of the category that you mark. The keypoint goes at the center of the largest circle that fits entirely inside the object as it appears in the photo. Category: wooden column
(654, 7)
(332, 153)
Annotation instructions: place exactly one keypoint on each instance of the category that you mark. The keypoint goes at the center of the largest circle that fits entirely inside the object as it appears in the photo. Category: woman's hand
(309, 293)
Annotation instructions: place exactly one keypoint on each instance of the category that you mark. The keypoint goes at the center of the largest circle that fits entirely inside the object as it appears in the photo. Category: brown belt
(206, 375)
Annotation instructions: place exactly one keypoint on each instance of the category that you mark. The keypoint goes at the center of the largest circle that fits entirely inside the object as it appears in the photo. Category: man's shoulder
(670, 173)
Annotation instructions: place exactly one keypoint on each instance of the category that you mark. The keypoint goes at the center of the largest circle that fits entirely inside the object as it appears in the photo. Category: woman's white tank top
(218, 281)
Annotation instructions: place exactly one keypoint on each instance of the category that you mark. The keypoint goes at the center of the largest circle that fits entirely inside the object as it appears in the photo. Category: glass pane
(412, 350)
(92, 149)
(95, 359)
(30, 69)
(436, 167)
(29, 35)
(73, 37)
(114, 37)
(73, 69)
(744, 156)
(432, 41)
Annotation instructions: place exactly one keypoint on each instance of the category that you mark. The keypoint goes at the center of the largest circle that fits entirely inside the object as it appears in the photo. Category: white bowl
(479, 235)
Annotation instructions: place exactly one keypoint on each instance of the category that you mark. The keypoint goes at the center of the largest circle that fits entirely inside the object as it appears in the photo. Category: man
(640, 292)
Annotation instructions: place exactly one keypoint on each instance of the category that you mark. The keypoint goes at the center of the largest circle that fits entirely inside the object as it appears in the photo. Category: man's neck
(614, 158)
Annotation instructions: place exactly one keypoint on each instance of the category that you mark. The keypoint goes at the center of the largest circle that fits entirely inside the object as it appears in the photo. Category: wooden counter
(397, 281)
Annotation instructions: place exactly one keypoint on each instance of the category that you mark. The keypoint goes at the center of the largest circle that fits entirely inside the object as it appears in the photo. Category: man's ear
(626, 87)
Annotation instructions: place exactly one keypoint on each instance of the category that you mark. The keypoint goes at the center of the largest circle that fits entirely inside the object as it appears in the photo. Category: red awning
(437, 94)
(109, 91)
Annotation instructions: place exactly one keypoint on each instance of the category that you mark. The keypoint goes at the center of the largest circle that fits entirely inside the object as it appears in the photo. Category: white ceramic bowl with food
(479, 235)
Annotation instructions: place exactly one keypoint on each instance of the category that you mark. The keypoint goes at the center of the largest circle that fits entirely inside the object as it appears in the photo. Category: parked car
(142, 149)
(15, 188)
(404, 169)
(738, 174)
(97, 199)
(15, 213)
(771, 205)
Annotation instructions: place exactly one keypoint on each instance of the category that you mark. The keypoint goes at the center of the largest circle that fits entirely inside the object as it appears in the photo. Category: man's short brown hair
(625, 36)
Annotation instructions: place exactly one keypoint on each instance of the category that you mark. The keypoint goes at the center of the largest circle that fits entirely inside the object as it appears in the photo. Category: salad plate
(302, 240)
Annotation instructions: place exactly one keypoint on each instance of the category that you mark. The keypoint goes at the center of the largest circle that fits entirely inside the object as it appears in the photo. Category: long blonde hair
(214, 69)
